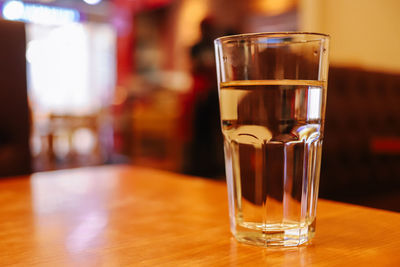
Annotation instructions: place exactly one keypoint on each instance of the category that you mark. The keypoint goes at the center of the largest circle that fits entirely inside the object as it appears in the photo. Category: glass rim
(269, 35)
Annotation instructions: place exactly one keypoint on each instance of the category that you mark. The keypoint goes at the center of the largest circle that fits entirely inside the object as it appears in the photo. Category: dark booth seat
(361, 151)
(15, 156)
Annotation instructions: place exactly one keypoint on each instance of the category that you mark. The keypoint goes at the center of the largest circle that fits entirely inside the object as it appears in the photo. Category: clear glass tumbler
(272, 90)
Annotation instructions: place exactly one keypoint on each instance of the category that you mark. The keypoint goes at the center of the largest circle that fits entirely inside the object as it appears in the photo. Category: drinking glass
(272, 92)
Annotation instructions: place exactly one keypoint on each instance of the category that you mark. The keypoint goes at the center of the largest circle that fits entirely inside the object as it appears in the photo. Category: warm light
(13, 10)
(190, 17)
(273, 7)
(92, 2)
(36, 145)
(61, 144)
(83, 141)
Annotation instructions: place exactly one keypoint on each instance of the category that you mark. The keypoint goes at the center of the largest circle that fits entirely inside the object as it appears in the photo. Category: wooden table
(130, 216)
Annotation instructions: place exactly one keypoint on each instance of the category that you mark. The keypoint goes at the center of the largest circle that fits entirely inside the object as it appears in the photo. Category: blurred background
(91, 82)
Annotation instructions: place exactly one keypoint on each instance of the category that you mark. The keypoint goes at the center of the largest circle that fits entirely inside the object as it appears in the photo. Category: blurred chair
(155, 120)
(15, 156)
(361, 157)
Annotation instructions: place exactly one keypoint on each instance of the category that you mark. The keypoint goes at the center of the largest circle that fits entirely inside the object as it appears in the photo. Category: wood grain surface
(130, 216)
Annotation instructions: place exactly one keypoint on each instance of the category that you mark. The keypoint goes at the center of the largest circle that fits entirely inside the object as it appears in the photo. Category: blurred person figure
(204, 151)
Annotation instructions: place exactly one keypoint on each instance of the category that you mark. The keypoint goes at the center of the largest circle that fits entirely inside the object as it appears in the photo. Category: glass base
(289, 237)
